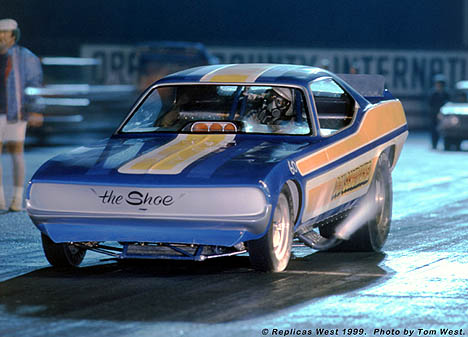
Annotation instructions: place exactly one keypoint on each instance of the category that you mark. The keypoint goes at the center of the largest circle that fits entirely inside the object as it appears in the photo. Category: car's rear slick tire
(271, 253)
(372, 235)
(62, 254)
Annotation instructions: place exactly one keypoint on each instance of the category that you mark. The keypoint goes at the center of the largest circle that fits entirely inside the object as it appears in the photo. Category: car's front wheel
(62, 254)
(273, 250)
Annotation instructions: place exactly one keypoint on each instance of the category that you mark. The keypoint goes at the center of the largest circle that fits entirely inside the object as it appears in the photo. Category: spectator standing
(19, 68)
(437, 97)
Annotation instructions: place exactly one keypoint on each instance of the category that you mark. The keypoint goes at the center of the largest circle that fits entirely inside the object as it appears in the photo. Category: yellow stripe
(148, 163)
(229, 78)
(179, 152)
(378, 121)
(188, 152)
(239, 73)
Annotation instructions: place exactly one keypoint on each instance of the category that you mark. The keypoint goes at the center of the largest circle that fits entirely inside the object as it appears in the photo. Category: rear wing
(372, 87)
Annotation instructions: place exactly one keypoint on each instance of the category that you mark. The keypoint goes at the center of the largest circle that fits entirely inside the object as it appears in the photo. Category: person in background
(437, 97)
(19, 68)
(324, 64)
(355, 68)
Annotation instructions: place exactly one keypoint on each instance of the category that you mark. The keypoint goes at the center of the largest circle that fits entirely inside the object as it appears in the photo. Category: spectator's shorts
(12, 132)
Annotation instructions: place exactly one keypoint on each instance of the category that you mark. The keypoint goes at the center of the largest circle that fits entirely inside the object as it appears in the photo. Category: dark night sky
(61, 26)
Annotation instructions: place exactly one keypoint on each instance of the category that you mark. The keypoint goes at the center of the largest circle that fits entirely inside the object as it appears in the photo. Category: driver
(277, 107)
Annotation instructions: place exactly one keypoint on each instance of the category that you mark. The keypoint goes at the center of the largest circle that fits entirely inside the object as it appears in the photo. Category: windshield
(221, 108)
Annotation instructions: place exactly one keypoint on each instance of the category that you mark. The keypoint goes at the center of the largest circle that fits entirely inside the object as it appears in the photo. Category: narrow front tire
(272, 252)
(62, 254)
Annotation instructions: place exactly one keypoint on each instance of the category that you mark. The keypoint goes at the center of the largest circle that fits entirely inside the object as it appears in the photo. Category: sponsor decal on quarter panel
(352, 180)
(339, 186)
(176, 155)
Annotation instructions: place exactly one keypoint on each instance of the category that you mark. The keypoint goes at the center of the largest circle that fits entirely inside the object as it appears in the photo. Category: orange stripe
(308, 165)
(378, 121)
(319, 196)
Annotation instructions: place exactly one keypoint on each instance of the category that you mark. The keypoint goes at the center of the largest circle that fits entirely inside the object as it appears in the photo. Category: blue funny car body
(224, 159)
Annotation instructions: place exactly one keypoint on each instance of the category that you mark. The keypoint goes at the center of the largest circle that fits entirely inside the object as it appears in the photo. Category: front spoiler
(87, 227)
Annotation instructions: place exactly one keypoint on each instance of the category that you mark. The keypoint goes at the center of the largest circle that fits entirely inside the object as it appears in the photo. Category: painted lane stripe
(233, 73)
(378, 121)
(332, 273)
(176, 155)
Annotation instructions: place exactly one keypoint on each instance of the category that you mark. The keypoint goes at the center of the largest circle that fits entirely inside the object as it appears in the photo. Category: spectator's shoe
(16, 205)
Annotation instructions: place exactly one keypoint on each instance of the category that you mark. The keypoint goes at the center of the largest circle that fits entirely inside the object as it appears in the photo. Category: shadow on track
(215, 291)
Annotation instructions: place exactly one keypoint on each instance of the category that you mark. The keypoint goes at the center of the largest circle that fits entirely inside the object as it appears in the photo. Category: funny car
(222, 160)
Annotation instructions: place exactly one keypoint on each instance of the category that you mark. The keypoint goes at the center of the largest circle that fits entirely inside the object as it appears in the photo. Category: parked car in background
(158, 59)
(227, 159)
(72, 102)
(453, 118)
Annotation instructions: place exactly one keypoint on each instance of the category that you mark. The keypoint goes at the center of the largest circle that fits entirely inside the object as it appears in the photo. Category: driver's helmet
(283, 98)
(279, 106)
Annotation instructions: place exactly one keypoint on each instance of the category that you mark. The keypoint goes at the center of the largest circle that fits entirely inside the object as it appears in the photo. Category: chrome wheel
(272, 251)
(373, 236)
(281, 227)
(382, 218)
(373, 233)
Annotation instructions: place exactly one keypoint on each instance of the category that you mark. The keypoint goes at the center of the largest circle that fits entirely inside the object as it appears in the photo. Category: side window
(335, 107)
